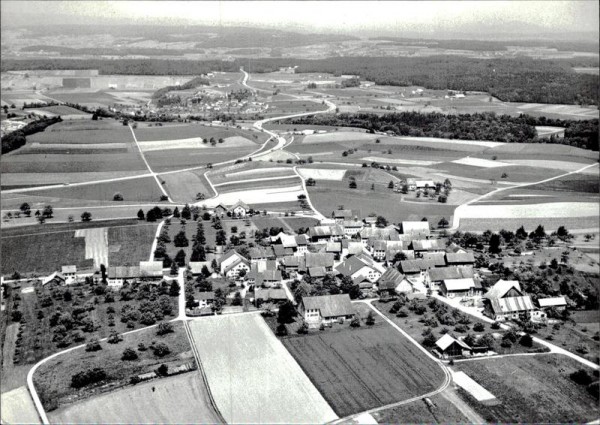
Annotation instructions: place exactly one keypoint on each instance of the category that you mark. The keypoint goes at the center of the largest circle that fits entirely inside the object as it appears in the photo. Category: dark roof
(390, 279)
(206, 296)
(416, 266)
(351, 266)
(123, 272)
(261, 252)
(437, 258)
(317, 271)
(330, 305)
(291, 261)
(318, 259)
(270, 294)
(444, 273)
(460, 257)
(342, 214)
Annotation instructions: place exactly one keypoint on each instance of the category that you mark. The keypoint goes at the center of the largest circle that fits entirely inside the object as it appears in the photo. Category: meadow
(184, 186)
(178, 399)
(285, 182)
(418, 412)
(128, 245)
(360, 369)
(147, 133)
(176, 159)
(252, 376)
(532, 389)
(104, 162)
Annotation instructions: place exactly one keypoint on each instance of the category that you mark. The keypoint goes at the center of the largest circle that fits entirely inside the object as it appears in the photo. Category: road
(447, 376)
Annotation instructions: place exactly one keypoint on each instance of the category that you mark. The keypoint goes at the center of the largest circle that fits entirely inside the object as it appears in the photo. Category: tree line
(16, 139)
(478, 126)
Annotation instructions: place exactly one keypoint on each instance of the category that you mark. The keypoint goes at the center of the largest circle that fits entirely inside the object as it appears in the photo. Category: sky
(322, 16)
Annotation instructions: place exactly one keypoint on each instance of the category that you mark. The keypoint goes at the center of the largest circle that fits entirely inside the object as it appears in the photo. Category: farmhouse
(341, 215)
(356, 266)
(334, 248)
(276, 295)
(438, 275)
(351, 248)
(312, 260)
(259, 253)
(239, 209)
(558, 303)
(460, 259)
(291, 263)
(325, 233)
(205, 299)
(352, 227)
(55, 278)
(69, 271)
(118, 275)
(415, 228)
(427, 245)
(151, 270)
(412, 184)
(425, 184)
(268, 278)
(438, 259)
(196, 267)
(232, 263)
(370, 221)
(326, 309)
(395, 282)
(505, 301)
(447, 346)
(505, 289)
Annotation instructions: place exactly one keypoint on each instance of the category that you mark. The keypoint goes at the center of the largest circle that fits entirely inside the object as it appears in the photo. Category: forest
(480, 126)
(511, 80)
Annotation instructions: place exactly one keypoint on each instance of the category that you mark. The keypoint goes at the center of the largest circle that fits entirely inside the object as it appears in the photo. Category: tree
(176, 212)
(214, 265)
(174, 288)
(117, 197)
(93, 345)
(186, 212)
(25, 209)
(381, 221)
(495, 244)
(352, 184)
(180, 239)
(47, 211)
(443, 223)
(311, 182)
(370, 319)
(140, 215)
(355, 322)
(205, 272)
(521, 233)
(129, 354)
(162, 370)
(180, 258)
(287, 312)
(86, 216)
(160, 349)
(391, 184)
(164, 328)
(114, 338)
(540, 232)
(429, 340)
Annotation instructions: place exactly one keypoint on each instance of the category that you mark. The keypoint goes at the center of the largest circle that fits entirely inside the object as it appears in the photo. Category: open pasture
(252, 377)
(178, 399)
(360, 369)
(512, 173)
(128, 245)
(72, 163)
(322, 173)
(292, 180)
(531, 389)
(142, 189)
(43, 179)
(418, 412)
(539, 210)
(183, 187)
(294, 106)
(565, 166)
(184, 158)
(63, 110)
(108, 135)
(512, 224)
(91, 99)
(540, 150)
(145, 133)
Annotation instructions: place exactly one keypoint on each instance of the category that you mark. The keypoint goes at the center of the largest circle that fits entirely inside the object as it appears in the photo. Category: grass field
(293, 180)
(184, 158)
(183, 187)
(71, 163)
(185, 131)
(43, 253)
(108, 134)
(418, 412)
(252, 377)
(15, 180)
(534, 389)
(62, 110)
(360, 369)
(17, 407)
(483, 224)
(177, 399)
(135, 190)
(52, 379)
(514, 173)
(128, 245)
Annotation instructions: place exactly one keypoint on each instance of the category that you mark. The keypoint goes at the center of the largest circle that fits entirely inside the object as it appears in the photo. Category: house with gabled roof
(334, 248)
(504, 289)
(427, 245)
(268, 278)
(274, 295)
(351, 248)
(340, 215)
(463, 287)
(326, 309)
(352, 227)
(260, 253)
(506, 301)
(69, 271)
(460, 259)
(438, 274)
(118, 275)
(447, 347)
(559, 303)
(151, 270)
(438, 259)
(355, 266)
(55, 278)
(318, 259)
(415, 228)
(239, 209)
(232, 263)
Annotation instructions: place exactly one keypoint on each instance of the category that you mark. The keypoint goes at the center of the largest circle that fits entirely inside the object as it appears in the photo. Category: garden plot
(252, 377)
(551, 209)
(322, 173)
(96, 244)
(479, 162)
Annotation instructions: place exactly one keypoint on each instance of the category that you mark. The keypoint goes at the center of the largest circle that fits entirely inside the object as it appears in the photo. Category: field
(241, 186)
(18, 180)
(52, 379)
(128, 245)
(258, 196)
(177, 399)
(483, 224)
(185, 131)
(360, 369)
(43, 253)
(17, 407)
(62, 110)
(184, 158)
(133, 190)
(531, 389)
(71, 163)
(542, 210)
(184, 186)
(251, 375)
(96, 244)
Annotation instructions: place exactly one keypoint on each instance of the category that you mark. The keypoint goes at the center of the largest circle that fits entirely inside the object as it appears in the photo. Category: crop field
(178, 399)
(257, 196)
(565, 166)
(328, 195)
(43, 253)
(573, 183)
(62, 110)
(252, 377)
(92, 99)
(531, 389)
(128, 245)
(193, 143)
(514, 173)
(322, 173)
(540, 150)
(184, 158)
(142, 189)
(360, 369)
(42, 179)
(483, 224)
(417, 412)
(184, 186)
(71, 163)
(96, 244)
(52, 379)
(81, 135)
(294, 106)
(285, 182)
(145, 133)
(17, 407)
(550, 209)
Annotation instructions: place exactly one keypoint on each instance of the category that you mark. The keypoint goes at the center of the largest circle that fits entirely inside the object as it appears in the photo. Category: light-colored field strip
(17, 407)
(193, 143)
(465, 382)
(273, 170)
(96, 244)
(258, 180)
(338, 136)
(256, 196)
(253, 378)
(322, 173)
(15, 179)
(399, 161)
(557, 165)
(87, 146)
(551, 209)
(480, 162)
(483, 143)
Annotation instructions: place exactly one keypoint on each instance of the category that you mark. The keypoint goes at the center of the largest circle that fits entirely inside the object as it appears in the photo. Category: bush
(164, 328)
(461, 328)
(114, 338)
(402, 313)
(129, 354)
(87, 377)
(526, 341)
(479, 327)
(594, 389)
(303, 329)
(582, 349)
(160, 350)
(355, 323)
(429, 340)
(582, 377)
(370, 319)
(281, 330)
(162, 370)
(142, 347)
(495, 325)
(93, 345)
(506, 343)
